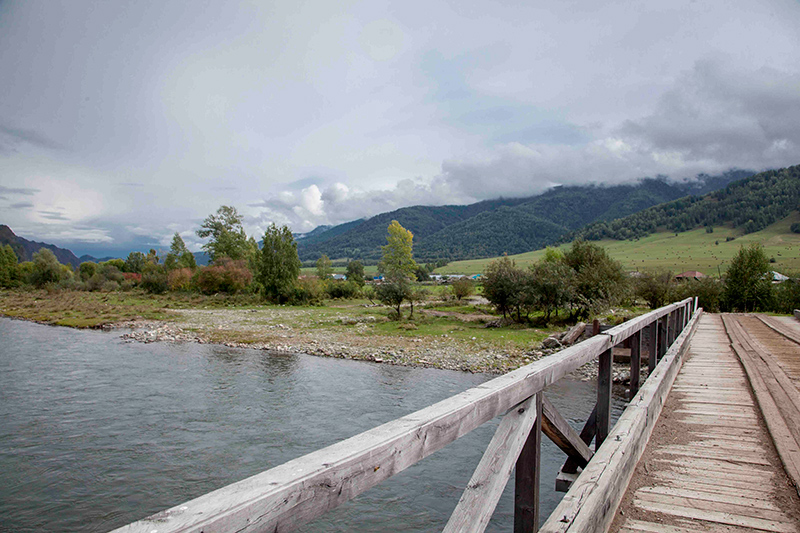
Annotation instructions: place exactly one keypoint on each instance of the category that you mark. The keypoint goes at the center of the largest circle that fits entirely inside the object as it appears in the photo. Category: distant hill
(750, 204)
(25, 248)
(506, 225)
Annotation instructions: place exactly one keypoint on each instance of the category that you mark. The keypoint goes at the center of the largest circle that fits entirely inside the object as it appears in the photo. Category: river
(96, 432)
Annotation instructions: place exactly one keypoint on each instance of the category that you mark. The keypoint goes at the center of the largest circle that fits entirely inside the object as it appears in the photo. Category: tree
(599, 280)
(552, 284)
(179, 255)
(398, 267)
(748, 282)
(177, 247)
(87, 269)
(653, 286)
(46, 268)
(9, 273)
(280, 265)
(462, 287)
(324, 267)
(135, 262)
(501, 283)
(228, 238)
(355, 272)
(397, 256)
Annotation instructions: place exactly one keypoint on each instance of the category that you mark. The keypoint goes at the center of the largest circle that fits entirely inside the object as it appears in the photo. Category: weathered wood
(573, 334)
(636, 362)
(587, 435)
(652, 349)
(526, 480)
(604, 382)
(720, 517)
(477, 503)
(662, 338)
(561, 433)
(779, 408)
(626, 329)
(298, 491)
(591, 503)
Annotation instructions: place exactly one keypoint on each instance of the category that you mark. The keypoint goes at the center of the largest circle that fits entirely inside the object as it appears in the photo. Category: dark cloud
(21, 205)
(18, 190)
(53, 215)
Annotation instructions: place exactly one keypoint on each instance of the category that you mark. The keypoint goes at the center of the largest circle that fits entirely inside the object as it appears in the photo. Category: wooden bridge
(710, 466)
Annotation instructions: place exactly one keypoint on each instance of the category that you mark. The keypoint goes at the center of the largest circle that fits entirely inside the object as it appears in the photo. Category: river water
(96, 433)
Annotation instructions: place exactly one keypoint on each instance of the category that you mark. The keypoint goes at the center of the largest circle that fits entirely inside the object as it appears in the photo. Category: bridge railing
(294, 493)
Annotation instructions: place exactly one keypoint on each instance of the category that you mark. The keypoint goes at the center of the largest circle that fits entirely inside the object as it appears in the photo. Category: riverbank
(460, 336)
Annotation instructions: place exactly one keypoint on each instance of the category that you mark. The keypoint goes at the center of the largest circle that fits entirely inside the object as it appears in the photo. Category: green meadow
(709, 253)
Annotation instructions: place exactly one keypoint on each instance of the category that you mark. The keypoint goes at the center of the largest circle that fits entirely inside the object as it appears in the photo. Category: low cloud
(18, 190)
(21, 205)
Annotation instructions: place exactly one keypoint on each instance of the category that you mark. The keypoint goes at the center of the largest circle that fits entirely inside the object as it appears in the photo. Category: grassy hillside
(690, 250)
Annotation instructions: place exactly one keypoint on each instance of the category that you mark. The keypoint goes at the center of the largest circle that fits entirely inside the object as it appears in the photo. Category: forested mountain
(751, 204)
(491, 228)
(25, 248)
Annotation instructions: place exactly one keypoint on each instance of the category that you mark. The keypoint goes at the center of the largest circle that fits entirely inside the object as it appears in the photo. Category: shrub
(46, 268)
(787, 296)
(180, 279)
(110, 286)
(307, 291)
(795, 228)
(654, 287)
(155, 281)
(462, 288)
(343, 289)
(132, 277)
(707, 290)
(225, 275)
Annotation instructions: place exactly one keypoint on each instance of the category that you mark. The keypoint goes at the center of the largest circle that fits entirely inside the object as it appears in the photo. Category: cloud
(53, 215)
(18, 190)
(21, 205)
(11, 138)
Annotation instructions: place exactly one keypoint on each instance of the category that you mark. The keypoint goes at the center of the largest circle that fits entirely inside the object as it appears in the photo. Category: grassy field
(709, 253)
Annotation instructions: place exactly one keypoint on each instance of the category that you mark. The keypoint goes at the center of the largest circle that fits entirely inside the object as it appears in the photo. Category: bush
(343, 289)
(180, 279)
(795, 228)
(787, 296)
(131, 277)
(707, 290)
(110, 286)
(654, 287)
(307, 291)
(155, 281)
(462, 288)
(225, 275)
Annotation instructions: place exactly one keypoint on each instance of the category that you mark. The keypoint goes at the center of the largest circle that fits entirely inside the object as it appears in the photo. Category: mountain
(90, 258)
(494, 227)
(749, 204)
(25, 248)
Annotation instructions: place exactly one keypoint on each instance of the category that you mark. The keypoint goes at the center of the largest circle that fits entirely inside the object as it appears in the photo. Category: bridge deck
(710, 464)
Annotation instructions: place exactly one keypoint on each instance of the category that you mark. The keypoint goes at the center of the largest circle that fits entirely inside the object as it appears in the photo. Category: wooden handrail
(296, 492)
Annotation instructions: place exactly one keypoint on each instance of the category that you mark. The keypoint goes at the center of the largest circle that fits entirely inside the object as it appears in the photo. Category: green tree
(87, 269)
(462, 287)
(552, 286)
(228, 238)
(324, 267)
(654, 287)
(177, 247)
(179, 255)
(397, 256)
(135, 262)
(9, 273)
(280, 265)
(501, 283)
(398, 267)
(355, 272)
(748, 282)
(599, 280)
(46, 268)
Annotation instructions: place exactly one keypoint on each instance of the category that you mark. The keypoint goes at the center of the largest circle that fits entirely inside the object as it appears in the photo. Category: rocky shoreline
(222, 327)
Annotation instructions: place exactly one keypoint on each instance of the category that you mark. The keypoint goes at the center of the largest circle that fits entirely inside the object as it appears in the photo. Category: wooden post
(636, 361)
(662, 338)
(526, 481)
(652, 348)
(595, 327)
(603, 397)
(587, 434)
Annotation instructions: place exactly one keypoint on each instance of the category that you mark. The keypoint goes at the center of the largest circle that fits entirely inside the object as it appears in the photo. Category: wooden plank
(636, 362)
(587, 434)
(718, 517)
(711, 466)
(690, 482)
(526, 481)
(740, 501)
(689, 451)
(652, 349)
(703, 505)
(300, 490)
(477, 503)
(692, 477)
(561, 433)
(651, 527)
(603, 397)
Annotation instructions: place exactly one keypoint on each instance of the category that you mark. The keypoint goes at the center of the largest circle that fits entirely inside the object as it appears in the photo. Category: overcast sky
(124, 122)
